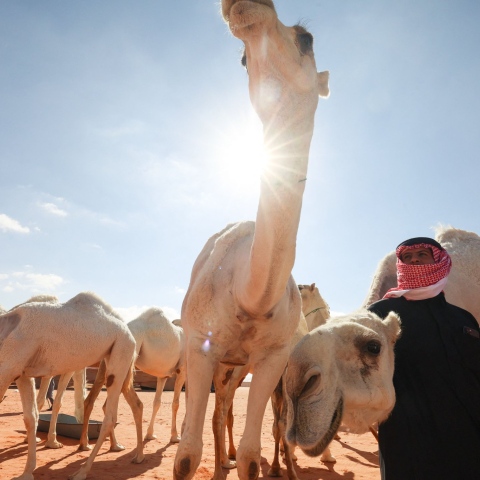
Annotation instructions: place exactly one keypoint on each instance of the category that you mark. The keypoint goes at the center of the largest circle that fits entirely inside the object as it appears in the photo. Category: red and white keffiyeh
(418, 282)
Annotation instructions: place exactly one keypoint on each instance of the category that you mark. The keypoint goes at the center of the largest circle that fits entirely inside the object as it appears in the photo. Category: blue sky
(127, 139)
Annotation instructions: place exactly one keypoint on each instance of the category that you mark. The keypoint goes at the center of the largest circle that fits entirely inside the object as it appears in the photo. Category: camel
(79, 380)
(242, 305)
(340, 372)
(160, 352)
(463, 286)
(314, 307)
(43, 339)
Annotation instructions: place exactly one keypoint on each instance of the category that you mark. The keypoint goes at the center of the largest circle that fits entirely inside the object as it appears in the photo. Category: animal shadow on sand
(152, 460)
(371, 458)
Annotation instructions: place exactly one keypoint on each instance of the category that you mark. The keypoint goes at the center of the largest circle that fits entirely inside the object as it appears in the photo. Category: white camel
(242, 305)
(46, 339)
(463, 286)
(314, 307)
(79, 382)
(159, 352)
(341, 372)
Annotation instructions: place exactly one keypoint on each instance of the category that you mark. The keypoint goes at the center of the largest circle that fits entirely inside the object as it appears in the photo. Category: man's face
(417, 256)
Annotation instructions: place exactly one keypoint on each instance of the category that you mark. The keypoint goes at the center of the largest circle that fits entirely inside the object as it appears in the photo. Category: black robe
(433, 432)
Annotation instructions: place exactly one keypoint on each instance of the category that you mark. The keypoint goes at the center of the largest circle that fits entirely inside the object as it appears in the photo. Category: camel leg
(327, 456)
(277, 404)
(199, 379)
(157, 401)
(224, 385)
(42, 392)
(232, 451)
(89, 402)
(291, 474)
(118, 368)
(26, 387)
(57, 404)
(267, 373)
(137, 409)
(177, 390)
(114, 445)
(79, 384)
(374, 432)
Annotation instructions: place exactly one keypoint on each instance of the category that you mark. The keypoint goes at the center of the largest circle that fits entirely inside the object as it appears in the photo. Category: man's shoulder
(386, 305)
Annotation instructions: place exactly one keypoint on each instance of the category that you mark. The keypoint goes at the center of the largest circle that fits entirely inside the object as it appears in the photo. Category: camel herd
(243, 311)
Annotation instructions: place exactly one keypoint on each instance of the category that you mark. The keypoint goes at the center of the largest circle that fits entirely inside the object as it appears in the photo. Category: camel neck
(272, 255)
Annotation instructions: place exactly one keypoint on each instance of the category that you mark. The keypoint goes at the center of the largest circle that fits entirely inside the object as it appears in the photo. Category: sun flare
(241, 157)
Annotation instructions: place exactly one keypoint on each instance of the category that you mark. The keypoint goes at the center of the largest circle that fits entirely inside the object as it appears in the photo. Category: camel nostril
(310, 384)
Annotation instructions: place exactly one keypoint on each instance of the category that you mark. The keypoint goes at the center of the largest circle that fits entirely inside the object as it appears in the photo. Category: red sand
(357, 455)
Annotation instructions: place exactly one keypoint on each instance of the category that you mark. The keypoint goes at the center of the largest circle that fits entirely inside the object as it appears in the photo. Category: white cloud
(53, 209)
(8, 224)
(180, 290)
(33, 283)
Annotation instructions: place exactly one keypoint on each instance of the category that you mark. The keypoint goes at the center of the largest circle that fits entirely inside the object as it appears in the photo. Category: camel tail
(128, 382)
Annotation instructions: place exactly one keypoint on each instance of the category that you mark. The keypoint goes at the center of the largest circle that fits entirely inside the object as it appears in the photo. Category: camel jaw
(319, 446)
(323, 443)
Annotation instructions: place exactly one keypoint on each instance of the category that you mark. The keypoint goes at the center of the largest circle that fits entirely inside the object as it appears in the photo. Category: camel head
(314, 307)
(341, 372)
(283, 81)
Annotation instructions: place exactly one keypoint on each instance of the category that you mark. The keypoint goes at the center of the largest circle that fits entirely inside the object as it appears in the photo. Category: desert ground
(357, 455)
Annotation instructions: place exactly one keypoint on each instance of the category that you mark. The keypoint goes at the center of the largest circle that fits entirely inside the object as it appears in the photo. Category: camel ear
(312, 287)
(392, 321)
(322, 83)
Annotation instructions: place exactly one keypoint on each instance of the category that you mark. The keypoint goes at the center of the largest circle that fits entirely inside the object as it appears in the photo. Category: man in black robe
(433, 432)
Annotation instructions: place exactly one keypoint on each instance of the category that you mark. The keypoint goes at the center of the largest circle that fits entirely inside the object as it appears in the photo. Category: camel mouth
(244, 15)
(322, 444)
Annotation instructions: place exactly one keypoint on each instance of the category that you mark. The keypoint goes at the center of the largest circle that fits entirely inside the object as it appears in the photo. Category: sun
(241, 156)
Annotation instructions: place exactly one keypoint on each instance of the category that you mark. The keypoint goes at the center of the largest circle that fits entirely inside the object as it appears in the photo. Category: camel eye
(305, 42)
(374, 347)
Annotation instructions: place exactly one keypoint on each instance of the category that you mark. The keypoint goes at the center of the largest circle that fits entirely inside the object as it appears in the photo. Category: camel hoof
(175, 439)
(138, 458)
(337, 437)
(229, 464)
(117, 448)
(84, 448)
(150, 436)
(328, 459)
(78, 476)
(53, 444)
(25, 476)
(275, 472)
(37, 440)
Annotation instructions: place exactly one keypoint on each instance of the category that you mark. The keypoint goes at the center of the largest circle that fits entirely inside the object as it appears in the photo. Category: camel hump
(450, 237)
(87, 300)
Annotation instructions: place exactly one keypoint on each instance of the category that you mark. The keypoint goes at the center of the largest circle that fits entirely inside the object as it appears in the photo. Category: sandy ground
(357, 455)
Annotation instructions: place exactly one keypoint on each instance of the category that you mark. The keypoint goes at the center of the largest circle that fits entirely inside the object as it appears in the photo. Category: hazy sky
(127, 139)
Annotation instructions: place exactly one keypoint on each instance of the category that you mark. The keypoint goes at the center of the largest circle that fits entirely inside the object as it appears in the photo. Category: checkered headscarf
(414, 277)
